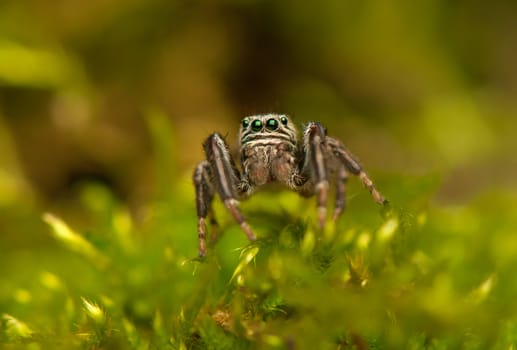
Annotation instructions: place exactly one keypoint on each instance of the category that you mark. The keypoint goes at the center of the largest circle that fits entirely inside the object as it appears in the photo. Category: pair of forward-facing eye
(257, 124)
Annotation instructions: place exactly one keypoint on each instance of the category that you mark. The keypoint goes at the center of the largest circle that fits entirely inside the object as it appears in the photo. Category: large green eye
(272, 124)
(245, 123)
(256, 125)
(283, 120)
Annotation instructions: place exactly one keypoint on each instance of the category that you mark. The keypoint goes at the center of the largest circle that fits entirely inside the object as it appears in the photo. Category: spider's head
(267, 126)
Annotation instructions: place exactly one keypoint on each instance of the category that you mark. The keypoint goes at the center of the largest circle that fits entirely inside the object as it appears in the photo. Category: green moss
(412, 275)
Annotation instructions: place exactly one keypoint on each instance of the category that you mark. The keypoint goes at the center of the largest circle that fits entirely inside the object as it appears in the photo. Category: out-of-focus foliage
(103, 109)
(407, 276)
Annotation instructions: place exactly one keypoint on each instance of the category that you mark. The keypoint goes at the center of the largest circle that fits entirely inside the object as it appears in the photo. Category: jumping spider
(270, 151)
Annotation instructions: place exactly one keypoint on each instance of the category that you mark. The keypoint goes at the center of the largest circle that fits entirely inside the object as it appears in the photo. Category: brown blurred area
(411, 87)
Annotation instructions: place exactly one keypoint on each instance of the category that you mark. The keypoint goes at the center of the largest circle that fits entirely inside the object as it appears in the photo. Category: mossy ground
(104, 106)
(413, 275)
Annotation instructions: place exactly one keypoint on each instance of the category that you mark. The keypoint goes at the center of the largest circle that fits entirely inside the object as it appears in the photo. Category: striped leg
(354, 167)
(315, 165)
(341, 178)
(204, 195)
(214, 227)
(226, 178)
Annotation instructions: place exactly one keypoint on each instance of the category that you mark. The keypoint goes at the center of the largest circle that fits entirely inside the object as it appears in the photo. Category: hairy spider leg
(204, 194)
(341, 178)
(226, 178)
(354, 167)
(214, 226)
(315, 163)
(270, 152)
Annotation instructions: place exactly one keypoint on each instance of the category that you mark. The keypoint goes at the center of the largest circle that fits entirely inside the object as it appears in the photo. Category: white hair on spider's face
(267, 128)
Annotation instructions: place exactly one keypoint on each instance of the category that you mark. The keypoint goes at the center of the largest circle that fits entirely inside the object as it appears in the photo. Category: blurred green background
(104, 106)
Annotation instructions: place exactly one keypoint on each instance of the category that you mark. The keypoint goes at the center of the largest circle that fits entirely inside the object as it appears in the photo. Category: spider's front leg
(217, 174)
(321, 153)
(203, 183)
(315, 166)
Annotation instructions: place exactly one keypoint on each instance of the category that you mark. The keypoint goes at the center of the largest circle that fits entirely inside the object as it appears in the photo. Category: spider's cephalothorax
(270, 151)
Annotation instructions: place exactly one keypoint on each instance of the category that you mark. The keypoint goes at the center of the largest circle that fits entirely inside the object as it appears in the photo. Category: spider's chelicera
(270, 151)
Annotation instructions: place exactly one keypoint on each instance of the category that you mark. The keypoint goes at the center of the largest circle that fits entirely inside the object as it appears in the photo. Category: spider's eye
(272, 124)
(245, 122)
(256, 125)
(283, 120)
